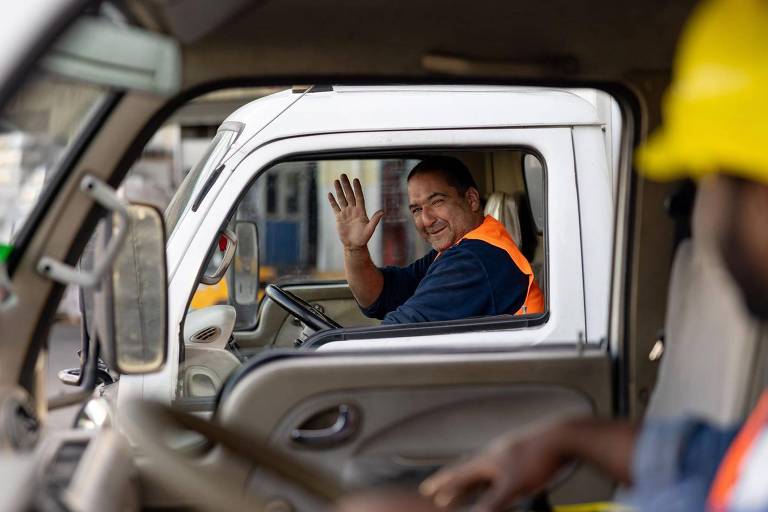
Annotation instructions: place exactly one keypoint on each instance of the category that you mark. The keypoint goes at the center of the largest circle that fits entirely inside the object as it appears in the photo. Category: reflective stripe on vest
(740, 483)
(492, 232)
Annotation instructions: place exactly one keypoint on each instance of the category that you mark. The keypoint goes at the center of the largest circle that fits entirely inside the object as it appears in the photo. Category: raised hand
(352, 223)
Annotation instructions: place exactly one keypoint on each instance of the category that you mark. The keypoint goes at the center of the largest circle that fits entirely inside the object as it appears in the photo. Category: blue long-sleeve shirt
(674, 464)
(472, 278)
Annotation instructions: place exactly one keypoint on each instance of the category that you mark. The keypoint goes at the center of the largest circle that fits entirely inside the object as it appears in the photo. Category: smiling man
(474, 267)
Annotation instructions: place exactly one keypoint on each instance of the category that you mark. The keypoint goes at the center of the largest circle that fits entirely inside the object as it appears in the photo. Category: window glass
(195, 181)
(37, 129)
(297, 229)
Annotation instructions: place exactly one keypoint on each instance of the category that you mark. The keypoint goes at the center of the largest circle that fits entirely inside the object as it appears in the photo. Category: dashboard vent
(61, 468)
(207, 335)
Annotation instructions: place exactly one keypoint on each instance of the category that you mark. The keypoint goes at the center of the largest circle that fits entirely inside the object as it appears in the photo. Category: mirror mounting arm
(63, 273)
(87, 380)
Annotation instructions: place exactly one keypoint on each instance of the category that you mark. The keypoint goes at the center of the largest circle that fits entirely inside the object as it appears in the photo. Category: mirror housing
(220, 257)
(243, 282)
(131, 304)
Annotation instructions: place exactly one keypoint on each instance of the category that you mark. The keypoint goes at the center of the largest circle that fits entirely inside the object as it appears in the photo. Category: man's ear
(472, 196)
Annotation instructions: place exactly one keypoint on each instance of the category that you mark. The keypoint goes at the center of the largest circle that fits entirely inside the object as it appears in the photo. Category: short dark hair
(453, 171)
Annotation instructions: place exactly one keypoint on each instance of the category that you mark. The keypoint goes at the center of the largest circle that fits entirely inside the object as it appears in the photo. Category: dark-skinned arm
(513, 467)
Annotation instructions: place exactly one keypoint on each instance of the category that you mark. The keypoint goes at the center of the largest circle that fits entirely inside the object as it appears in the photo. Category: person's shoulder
(471, 255)
(455, 257)
(429, 257)
(494, 260)
(480, 249)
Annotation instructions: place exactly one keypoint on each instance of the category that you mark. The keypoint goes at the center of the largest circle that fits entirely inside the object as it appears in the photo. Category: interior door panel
(276, 328)
(395, 417)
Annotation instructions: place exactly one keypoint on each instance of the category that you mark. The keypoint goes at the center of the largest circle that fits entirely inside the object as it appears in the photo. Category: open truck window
(298, 244)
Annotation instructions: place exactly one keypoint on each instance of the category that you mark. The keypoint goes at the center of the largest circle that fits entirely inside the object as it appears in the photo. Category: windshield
(194, 182)
(38, 127)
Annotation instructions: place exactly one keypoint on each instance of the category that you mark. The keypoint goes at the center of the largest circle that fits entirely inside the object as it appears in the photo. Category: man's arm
(513, 467)
(364, 278)
(400, 283)
(355, 230)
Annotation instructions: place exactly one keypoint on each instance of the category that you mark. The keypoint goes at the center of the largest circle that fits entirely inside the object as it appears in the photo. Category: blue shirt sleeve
(675, 462)
(400, 283)
(456, 286)
(705, 448)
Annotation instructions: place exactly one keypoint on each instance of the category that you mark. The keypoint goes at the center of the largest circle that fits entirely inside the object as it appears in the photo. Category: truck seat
(503, 207)
(711, 366)
(506, 209)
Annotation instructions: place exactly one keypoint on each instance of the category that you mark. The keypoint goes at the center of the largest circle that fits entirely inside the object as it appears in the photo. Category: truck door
(412, 401)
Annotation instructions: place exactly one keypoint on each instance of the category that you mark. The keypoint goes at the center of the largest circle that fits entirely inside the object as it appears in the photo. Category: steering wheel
(185, 473)
(301, 309)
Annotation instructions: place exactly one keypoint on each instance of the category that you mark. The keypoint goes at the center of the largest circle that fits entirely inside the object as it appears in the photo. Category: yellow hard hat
(715, 113)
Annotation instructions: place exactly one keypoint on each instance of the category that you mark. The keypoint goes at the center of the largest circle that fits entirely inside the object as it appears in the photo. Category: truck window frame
(466, 325)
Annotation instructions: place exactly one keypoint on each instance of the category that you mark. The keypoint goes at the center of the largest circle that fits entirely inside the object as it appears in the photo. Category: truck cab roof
(368, 108)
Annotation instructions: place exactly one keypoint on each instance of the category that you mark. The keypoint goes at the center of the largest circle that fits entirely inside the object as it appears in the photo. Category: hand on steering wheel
(301, 309)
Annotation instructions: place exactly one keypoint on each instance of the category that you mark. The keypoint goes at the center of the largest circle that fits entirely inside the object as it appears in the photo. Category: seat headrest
(711, 340)
(503, 208)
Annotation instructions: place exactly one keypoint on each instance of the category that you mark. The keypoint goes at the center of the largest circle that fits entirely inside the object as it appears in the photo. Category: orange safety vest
(492, 232)
(740, 480)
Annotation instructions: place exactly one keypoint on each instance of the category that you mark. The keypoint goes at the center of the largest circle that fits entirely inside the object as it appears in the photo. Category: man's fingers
(385, 501)
(494, 498)
(459, 490)
(347, 186)
(447, 477)
(359, 197)
(340, 194)
(333, 202)
(375, 218)
(447, 487)
(371, 227)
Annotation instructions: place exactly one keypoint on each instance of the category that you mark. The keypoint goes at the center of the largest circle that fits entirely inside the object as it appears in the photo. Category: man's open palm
(352, 222)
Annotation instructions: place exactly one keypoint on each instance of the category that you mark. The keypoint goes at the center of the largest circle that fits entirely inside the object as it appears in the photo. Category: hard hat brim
(671, 154)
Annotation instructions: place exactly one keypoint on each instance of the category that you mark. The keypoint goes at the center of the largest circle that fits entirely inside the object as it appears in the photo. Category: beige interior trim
(57, 229)
(586, 373)
(403, 399)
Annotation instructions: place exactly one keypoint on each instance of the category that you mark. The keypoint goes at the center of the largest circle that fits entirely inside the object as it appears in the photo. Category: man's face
(744, 240)
(442, 216)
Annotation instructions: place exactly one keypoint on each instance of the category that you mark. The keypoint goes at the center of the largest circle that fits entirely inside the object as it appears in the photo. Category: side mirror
(220, 258)
(244, 281)
(131, 305)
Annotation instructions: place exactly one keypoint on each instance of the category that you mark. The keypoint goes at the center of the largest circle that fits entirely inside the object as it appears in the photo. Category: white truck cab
(546, 149)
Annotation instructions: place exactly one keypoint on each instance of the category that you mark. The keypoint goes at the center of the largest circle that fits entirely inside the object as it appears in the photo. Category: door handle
(343, 429)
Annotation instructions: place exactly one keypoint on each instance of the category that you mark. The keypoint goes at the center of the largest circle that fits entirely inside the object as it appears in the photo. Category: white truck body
(562, 127)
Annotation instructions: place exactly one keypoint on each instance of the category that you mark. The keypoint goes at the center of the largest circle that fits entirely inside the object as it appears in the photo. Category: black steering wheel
(301, 309)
